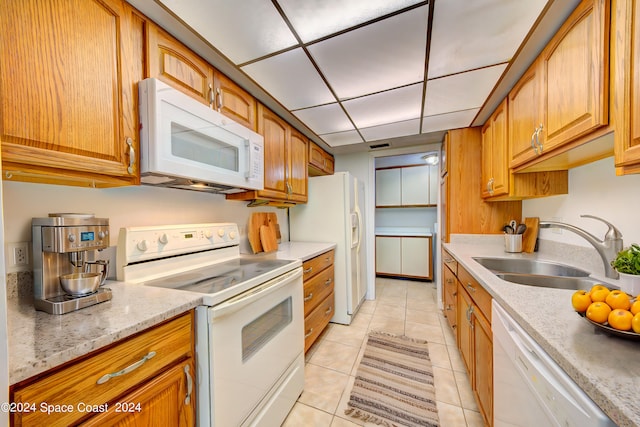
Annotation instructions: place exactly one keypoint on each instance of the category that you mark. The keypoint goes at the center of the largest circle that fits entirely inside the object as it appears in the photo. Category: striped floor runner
(394, 383)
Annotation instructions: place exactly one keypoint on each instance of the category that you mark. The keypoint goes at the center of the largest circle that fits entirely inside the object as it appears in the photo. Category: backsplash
(19, 285)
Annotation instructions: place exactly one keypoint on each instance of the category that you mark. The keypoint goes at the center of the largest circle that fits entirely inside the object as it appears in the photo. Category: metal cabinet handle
(219, 96)
(490, 186)
(187, 398)
(329, 310)
(533, 141)
(211, 97)
(471, 288)
(308, 297)
(308, 334)
(289, 189)
(538, 143)
(132, 155)
(328, 282)
(103, 379)
(307, 270)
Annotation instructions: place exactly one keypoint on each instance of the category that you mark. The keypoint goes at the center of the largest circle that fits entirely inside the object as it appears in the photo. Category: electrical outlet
(17, 256)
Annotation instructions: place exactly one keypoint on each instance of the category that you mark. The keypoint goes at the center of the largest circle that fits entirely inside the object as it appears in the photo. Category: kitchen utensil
(513, 224)
(599, 328)
(530, 234)
(256, 220)
(507, 229)
(521, 228)
(78, 284)
(268, 238)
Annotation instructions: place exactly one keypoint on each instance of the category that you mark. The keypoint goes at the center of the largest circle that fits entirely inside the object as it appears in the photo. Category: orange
(599, 293)
(620, 319)
(635, 323)
(598, 312)
(635, 307)
(618, 299)
(580, 301)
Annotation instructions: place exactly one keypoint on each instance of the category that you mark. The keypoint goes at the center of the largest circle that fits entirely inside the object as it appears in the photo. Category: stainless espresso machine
(64, 250)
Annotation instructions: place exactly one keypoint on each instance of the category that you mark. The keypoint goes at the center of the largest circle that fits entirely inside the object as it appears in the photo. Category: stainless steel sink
(558, 282)
(529, 266)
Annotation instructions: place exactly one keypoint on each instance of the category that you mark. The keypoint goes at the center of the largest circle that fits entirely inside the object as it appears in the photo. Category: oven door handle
(245, 298)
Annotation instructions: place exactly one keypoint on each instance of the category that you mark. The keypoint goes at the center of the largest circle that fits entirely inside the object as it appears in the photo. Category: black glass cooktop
(218, 277)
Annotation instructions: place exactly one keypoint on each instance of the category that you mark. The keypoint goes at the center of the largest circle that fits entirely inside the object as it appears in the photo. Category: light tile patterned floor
(402, 307)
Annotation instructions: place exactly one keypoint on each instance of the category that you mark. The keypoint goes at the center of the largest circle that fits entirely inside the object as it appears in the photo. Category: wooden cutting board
(256, 220)
(530, 234)
(268, 238)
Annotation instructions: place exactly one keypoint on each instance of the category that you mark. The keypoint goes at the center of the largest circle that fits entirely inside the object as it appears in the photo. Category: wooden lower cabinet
(319, 302)
(158, 386)
(467, 307)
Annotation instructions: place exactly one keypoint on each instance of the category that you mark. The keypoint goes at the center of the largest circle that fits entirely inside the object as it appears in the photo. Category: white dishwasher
(530, 389)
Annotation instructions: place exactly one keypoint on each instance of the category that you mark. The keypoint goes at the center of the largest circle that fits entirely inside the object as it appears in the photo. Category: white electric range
(250, 328)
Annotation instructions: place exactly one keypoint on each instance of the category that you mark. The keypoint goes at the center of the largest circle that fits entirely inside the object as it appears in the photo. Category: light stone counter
(606, 368)
(40, 341)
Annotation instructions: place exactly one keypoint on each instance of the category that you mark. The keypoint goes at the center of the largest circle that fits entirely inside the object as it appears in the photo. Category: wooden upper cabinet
(626, 58)
(495, 162)
(173, 63)
(297, 175)
(68, 84)
(320, 162)
(561, 103)
(285, 163)
(575, 66)
(233, 101)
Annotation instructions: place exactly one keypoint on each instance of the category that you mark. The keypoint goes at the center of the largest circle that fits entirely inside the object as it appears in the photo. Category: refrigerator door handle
(355, 229)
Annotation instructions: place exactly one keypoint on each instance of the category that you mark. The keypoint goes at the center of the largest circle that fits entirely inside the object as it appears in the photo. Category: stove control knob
(102, 235)
(163, 239)
(143, 245)
(208, 234)
(221, 232)
(232, 235)
(72, 238)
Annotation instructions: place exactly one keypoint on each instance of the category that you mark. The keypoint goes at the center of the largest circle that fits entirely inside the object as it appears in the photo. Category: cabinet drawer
(315, 322)
(480, 296)
(77, 384)
(450, 262)
(317, 289)
(316, 265)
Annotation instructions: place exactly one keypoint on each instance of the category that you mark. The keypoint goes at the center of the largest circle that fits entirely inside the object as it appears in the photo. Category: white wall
(594, 189)
(406, 217)
(125, 207)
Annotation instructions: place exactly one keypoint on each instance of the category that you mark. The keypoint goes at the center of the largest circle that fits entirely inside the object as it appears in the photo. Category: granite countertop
(40, 341)
(605, 367)
(404, 231)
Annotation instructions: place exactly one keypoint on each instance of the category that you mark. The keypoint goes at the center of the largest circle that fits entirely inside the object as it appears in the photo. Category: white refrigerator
(334, 213)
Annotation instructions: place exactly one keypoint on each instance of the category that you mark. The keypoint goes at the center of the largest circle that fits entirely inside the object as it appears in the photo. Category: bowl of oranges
(612, 311)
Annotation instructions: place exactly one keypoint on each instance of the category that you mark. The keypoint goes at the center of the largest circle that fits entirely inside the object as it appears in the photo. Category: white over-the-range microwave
(185, 144)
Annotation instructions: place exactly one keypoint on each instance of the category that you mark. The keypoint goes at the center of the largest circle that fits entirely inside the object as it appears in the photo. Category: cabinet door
(388, 187)
(68, 80)
(416, 256)
(483, 365)
(449, 292)
(575, 67)
(297, 176)
(388, 255)
(169, 399)
(316, 156)
(233, 101)
(176, 65)
(465, 337)
(276, 133)
(434, 184)
(524, 115)
(415, 185)
(495, 161)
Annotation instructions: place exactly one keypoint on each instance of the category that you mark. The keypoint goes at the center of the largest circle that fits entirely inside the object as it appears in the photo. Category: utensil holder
(513, 243)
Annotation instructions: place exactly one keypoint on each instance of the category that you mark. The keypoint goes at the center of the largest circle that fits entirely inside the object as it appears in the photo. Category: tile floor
(402, 307)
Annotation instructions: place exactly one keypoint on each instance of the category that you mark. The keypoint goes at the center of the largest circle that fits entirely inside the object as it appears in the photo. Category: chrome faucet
(607, 248)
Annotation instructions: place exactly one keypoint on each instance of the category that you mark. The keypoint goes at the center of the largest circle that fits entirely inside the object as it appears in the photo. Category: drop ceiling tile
(391, 130)
(461, 91)
(375, 57)
(314, 19)
(385, 107)
(342, 138)
(292, 79)
(325, 119)
(455, 120)
(462, 38)
(241, 30)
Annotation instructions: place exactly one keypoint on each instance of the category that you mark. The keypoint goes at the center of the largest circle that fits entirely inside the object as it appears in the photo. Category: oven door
(254, 339)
